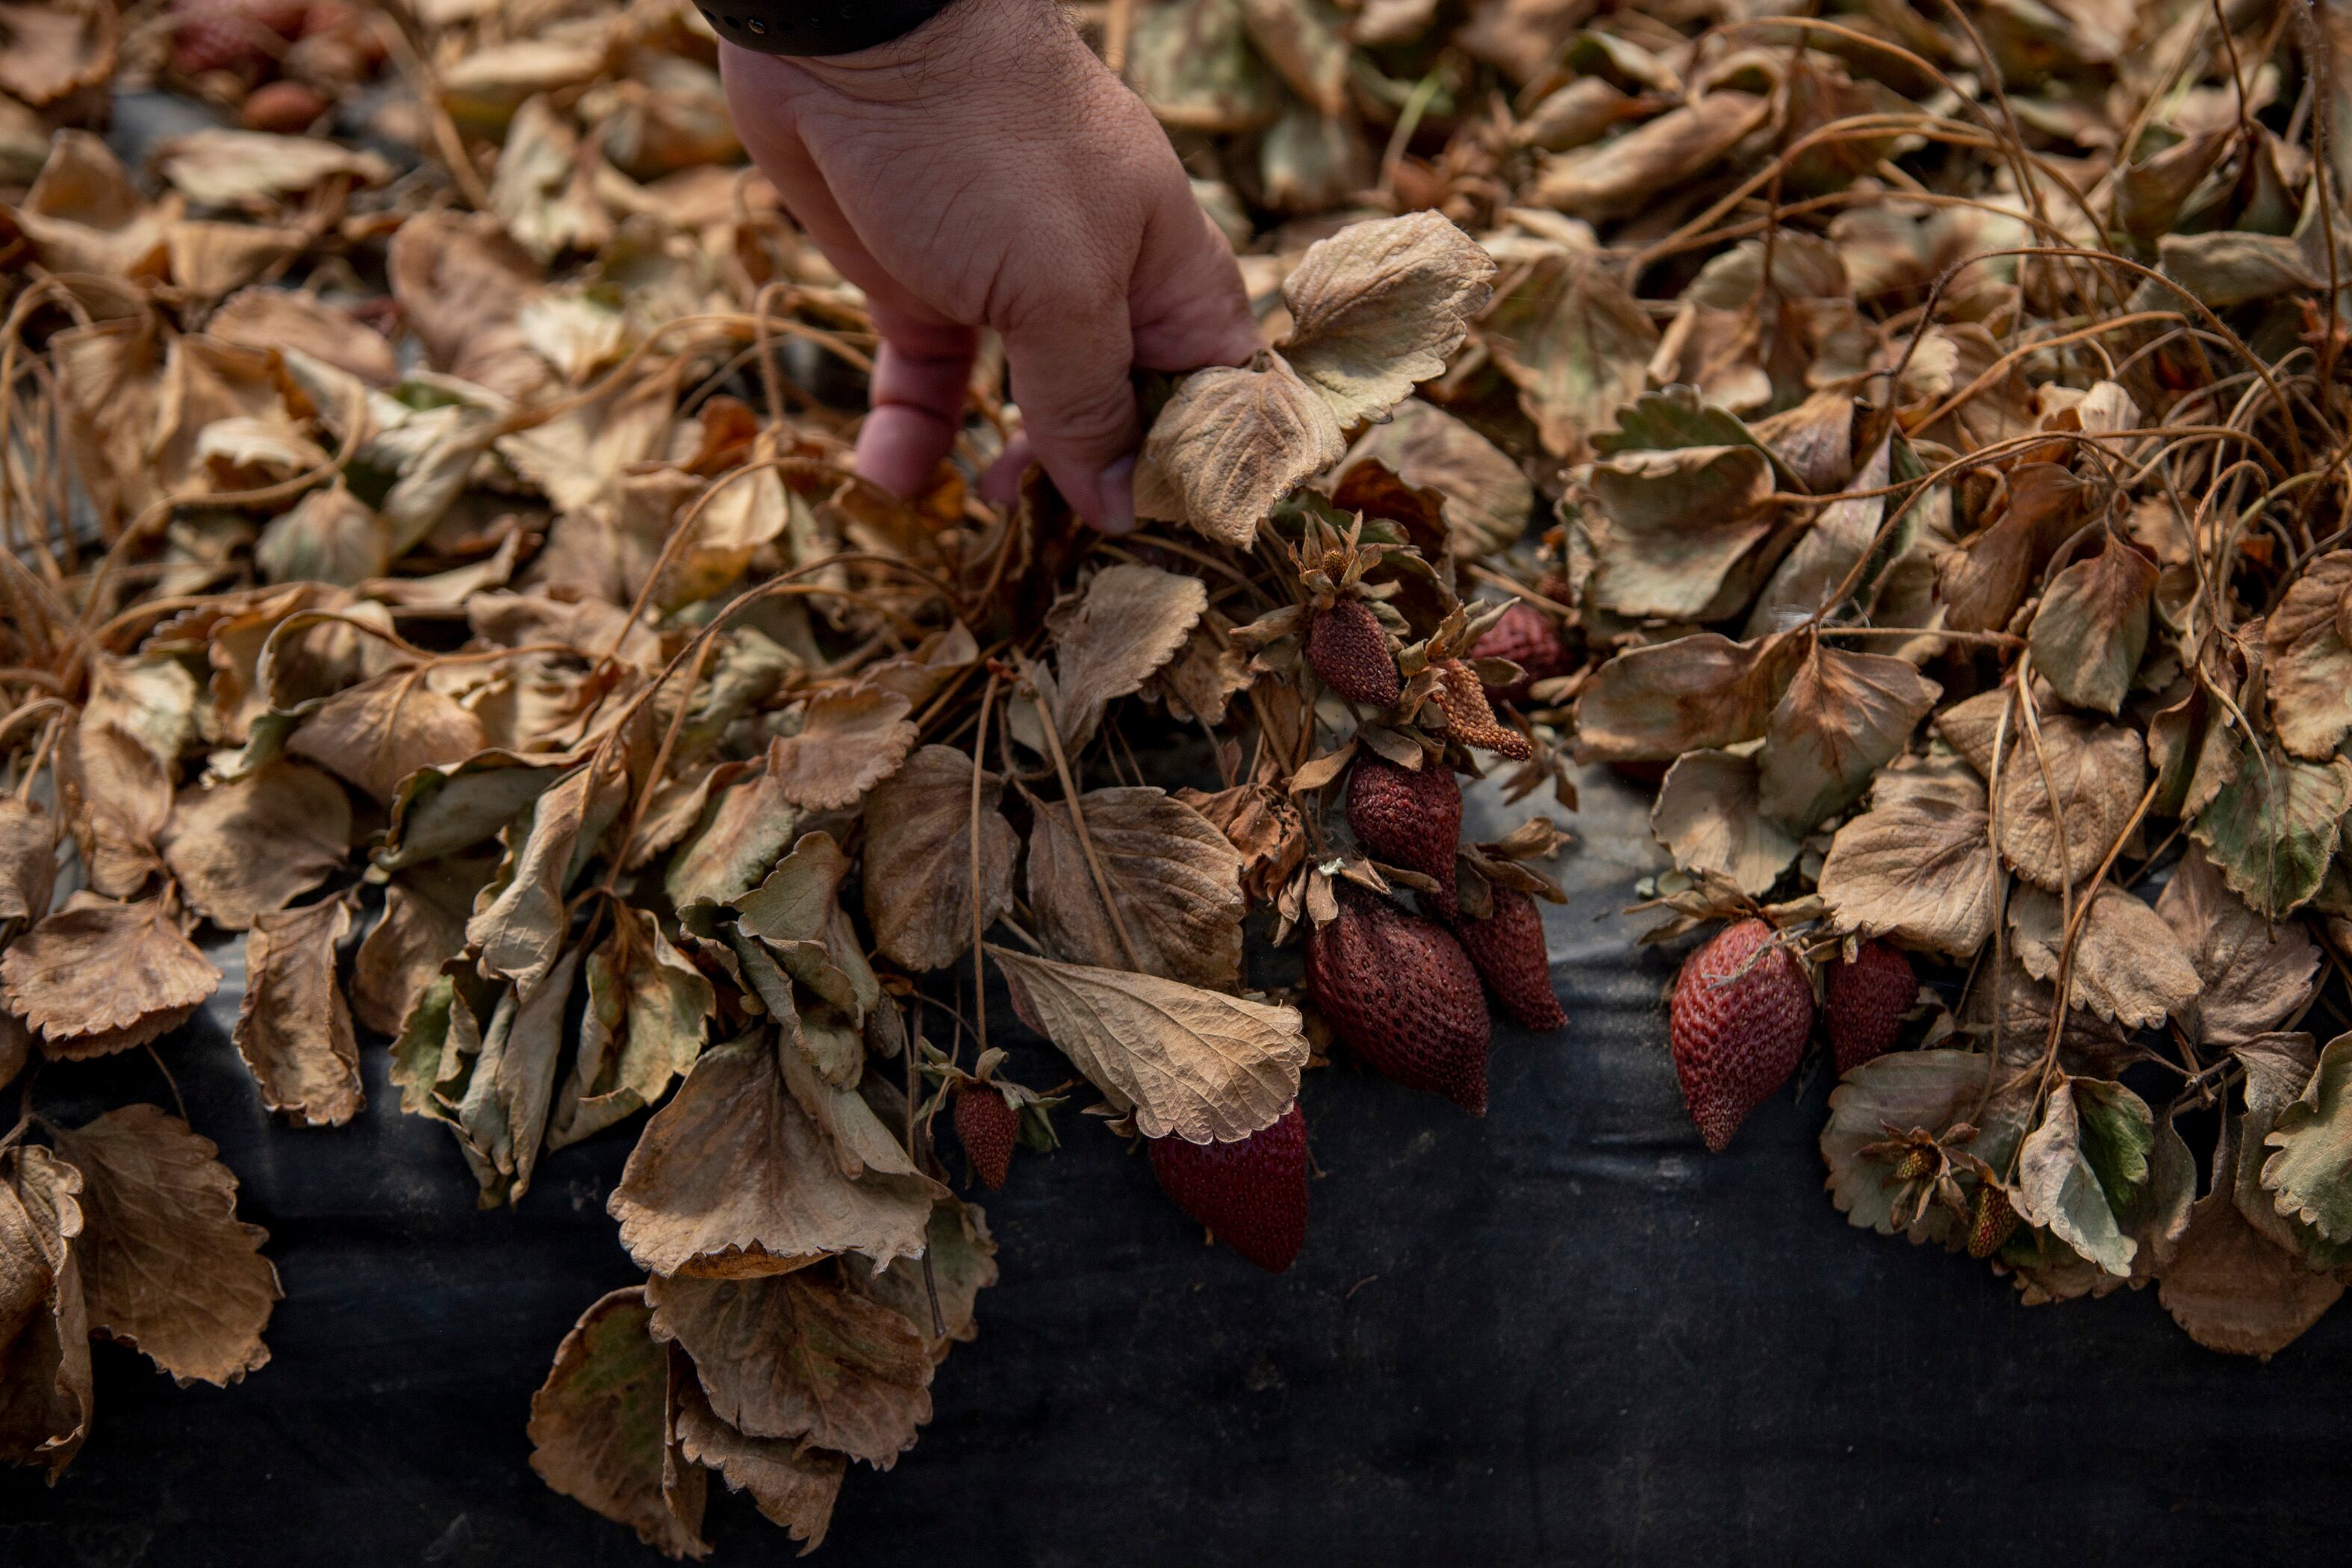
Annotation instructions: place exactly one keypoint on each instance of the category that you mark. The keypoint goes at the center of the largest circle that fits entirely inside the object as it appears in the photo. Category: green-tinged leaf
(2311, 1171)
(2084, 1163)
(648, 1008)
(600, 1425)
(439, 811)
(2273, 826)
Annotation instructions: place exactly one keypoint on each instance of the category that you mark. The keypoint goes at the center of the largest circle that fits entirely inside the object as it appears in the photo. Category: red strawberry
(1867, 999)
(1400, 992)
(988, 1127)
(233, 34)
(1530, 639)
(1350, 652)
(1410, 817)
(1251, 1194)
(283, 108)
(1738, 1024)
(1993, 1220)
(1507, 948)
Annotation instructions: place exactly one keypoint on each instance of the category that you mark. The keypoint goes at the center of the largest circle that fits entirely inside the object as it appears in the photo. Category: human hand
(987, 171)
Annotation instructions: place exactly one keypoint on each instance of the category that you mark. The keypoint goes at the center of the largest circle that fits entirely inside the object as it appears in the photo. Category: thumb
(1070, 378)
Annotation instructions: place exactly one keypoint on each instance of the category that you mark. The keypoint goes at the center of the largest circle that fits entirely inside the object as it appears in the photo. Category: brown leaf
(599, 1424)
(1302, 40)
(742, 831)
(1707, 817)
(731, 1180)
(1263, 824)
(1378, 306)
(378, 732)
(521, 928)
(798, 1356)
(2235, 1292)
(1667, 527)
(793, 1486)
(1197, 1065)
(47, 53)
(167, 1268)
(1653, 704)
(1176, 880)
(919, 890)
(501, 1114)
(45, 1375)
(1918, 865)
(2309, 663)
(2092, 628)
(1488, 499)
(461, 283)
(1984, 582)
(424, 923)
(217, 167)
(2098, 771)
(2255, 975)
(649, 1009)
(293, 1027)
(2129, 965)
(850, 740)
(28, 859)
(255, 843)
(1616, 177)
(280, 319)
(121, 798)
(94, 968)
(1844, 716)
(961, 1263)
(1129, 621)
(1230, 444)
(1575, 344)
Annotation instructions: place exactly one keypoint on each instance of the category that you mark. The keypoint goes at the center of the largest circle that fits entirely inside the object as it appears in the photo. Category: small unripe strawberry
(1469, 716)
(283, 108)
(1738, 1024)
(1530, 639)
(1865, 1003)
(1992, 1221)
(1350, 652)
(1400, 992)
(1252, 1194)
(1410, 817)
(1507, 950)
(988, 1126)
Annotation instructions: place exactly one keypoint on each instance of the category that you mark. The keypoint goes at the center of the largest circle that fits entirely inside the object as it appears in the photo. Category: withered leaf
(1487, 497)
(1378, 306)
(850, 740)
(1843, 717)
(122, 799)
(2309, 664)
(1918, 866)
(1617, 176)
(28, 859)
(731, 1180)
(1176, 881)
(2254, 973)
(167, 1266)
(522, 929)
(1194, 1064)
(2310, 1169)
(1130, 621)
(2092, 628)
(293, 1027)
(1231, 444)
(599, 1424)
(800, 1356)
(1653, 704)
(376, 734)
(793, 1485)
(94, 967)
(45, 1375)
(648, 1008)
(2233, 1291)
(2129, 965)
(1929, 1089)
(1708, 816)
(440, 811)
(961, 1263)
(1666, 528)
(2273, 827)
(919, 858)
(2078, 1170)
(502, 1115)
(423, 926)
(742, 830)
(255, 843)
(2096, 771)
(1575, 342)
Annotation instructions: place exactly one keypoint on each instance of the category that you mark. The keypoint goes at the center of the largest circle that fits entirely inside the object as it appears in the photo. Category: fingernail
(1116, 484)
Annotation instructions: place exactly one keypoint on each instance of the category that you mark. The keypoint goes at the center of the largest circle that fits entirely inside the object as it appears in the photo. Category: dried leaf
(731, 1180)
(2310, 1172)
(742, 831)
(919, 858)
(2253, 974)
(1918, 866)
(1130, 621)
(2098, 772)
(293, 1027)
(167, 1266)
(378, 732)
(1708, 816)
(1378, 306)
(1617, 176)
(2235, 1292)
(521, 929)
(1843, 717)
(1666, 528)
(121, 798)
(1575, 344)
(1176, 881)
(94, 968)
(501, 1114)
(2080, 1167)
(2309, 664)
(798, 1356)
(599, 1424)
(794, 1486)
(961, 1263)
(1653, 704)
(2274, 826)
(45, 1374)
(2092, 628)
(254, 843)
(850, 740)
(423, 926)
(1193, 1064)
(1231, 444)
(1488, 499)
(2129, 965)
(28, 859)
(649, 1009)
(1932, 1090)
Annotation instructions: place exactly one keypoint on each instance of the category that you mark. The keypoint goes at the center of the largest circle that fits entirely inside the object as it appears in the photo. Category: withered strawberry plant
(445, 575)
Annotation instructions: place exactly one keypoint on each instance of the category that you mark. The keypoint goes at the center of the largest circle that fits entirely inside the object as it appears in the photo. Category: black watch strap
(816, 26)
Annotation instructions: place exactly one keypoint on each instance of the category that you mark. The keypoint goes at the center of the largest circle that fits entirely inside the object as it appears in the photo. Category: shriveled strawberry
(243, 36)
(988, 1126)
(1507, 950)
(1251, 1194)
(1530, 639)
(1350, 652)
(1738, 1024)
(1865, 1003)
(283, 108)
(1400, 992)
(1410, 817)
(1469, 716)
(1990, 1222)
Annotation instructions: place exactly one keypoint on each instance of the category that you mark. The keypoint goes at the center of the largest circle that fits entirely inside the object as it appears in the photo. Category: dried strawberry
(1251, 1194)
(1507, 949)
(1410, 817)
(988, 1126)
(1530, 639)
(283, 108)
(245, 36)
(1401, 993)
(1739, 1021)
(1866, 1001)
(1350, 652)
(1990, 1224)
(1469, 716)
